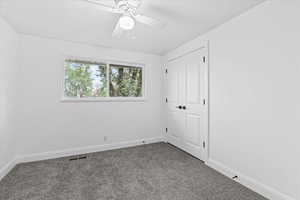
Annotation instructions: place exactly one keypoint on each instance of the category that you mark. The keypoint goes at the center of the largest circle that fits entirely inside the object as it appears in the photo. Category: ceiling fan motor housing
(127, 4)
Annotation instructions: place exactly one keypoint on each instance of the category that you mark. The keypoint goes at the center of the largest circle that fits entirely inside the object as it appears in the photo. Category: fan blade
(118, 31)
(149, 21)
(101, 6)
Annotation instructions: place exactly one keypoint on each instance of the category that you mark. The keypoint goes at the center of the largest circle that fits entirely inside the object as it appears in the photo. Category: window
(125, 81)
(84, 80)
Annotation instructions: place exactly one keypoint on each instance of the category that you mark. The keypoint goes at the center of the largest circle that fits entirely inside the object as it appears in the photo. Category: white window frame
(105, 99)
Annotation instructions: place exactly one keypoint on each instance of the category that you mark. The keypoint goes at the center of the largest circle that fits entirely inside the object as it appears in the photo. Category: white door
(187, 103)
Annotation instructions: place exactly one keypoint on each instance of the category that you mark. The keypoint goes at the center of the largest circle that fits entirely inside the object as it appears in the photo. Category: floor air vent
(78, 158)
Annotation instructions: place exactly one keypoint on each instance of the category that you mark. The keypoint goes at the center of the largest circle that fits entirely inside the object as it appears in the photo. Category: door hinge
(166, 100)
(203, 145)
(166, 130)
(204, 102)
(204, 59)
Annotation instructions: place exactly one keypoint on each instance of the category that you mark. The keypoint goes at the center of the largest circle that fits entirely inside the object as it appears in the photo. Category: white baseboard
(252, 184)
(84, 150)
(7, 168)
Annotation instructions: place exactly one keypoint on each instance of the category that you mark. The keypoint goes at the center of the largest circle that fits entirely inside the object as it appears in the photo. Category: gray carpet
(150, 172)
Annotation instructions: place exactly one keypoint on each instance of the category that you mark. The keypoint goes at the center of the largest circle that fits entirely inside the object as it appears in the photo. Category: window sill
(105, 99)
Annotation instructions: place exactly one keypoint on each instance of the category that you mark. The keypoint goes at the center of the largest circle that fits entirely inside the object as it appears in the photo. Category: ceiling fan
(129, 14)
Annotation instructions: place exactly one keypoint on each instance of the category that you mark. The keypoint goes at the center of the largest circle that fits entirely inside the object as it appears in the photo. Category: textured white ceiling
(70, 20)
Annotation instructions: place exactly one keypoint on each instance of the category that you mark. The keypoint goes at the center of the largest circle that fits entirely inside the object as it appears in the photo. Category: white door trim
(186, 53)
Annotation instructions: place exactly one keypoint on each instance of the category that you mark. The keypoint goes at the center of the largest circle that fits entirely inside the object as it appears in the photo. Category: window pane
(85, 79)
(125, 81)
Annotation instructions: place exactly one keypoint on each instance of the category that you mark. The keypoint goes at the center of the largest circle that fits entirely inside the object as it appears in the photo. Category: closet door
(186, 94)
(176, 122)
(193, 104)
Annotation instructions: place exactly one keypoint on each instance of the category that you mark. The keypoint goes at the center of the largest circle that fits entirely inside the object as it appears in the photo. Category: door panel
(192, 135)
(181, 81)
(193, 83)
(175, 120)
(172, 83)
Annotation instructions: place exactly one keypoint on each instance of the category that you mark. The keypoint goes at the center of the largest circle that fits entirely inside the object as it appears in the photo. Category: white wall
(47, 124)
(8, 73)
(254, 95)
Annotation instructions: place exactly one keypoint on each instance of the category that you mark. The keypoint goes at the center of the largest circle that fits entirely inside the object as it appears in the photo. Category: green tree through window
(125, 81)
(83, 79)
(88, 79)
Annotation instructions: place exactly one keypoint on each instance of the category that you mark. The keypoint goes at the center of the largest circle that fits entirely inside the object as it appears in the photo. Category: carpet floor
(149, 172)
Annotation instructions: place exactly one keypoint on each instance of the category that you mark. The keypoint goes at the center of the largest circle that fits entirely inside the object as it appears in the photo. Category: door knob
(184, 107)
(180, 107)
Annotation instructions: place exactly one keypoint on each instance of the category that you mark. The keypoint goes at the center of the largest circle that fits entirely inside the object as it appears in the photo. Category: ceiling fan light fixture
(127, 22)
